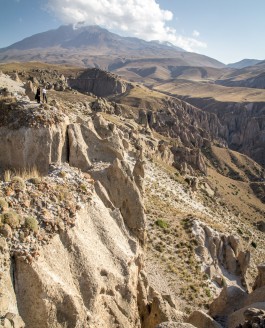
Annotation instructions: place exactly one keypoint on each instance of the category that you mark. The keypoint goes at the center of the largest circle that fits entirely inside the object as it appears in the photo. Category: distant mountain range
(93, 46)
(132, 58)
(244, 63)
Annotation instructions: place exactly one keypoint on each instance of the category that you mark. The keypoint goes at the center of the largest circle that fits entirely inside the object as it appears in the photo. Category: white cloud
(141, 18)
(195, 33)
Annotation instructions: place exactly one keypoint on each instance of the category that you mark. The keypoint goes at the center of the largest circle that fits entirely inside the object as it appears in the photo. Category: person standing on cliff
(37, 96)
(44, 95)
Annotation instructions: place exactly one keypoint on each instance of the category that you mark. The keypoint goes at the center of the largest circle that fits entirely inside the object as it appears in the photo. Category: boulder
(200, 319)
(239, 317)
(260, 280)
(30, 90)
(230, 299)
(15, 321)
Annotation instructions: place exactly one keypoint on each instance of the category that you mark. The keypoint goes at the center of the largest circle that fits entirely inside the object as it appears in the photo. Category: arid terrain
(125, 206)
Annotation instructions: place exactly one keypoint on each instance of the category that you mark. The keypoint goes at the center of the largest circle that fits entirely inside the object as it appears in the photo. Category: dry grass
(207, 90)
(25, 174)
(28, 66)
(233, 209)
(141, 97)
(7, 176)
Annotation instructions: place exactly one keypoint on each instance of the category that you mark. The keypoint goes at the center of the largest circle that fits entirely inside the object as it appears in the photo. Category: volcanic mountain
(94, 46)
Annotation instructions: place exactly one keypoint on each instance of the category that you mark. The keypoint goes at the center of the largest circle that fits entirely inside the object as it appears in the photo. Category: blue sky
(226, 30)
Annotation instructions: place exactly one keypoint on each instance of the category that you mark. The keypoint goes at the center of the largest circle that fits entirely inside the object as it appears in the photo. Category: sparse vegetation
(162, 224)
(18, 183)
(31, 223)
(207, 292)
(11, 218)
(7, 175)
(62, 174)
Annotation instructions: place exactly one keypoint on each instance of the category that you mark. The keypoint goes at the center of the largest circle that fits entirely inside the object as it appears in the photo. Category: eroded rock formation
(220, 253)
(98, 82)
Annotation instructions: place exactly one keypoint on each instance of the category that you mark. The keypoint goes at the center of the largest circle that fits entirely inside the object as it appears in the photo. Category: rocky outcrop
(188, 161)
(155, 308)
(27, 147)
(243, 124)
(230, 299)
(260, 280)
(200, 319)
(81, 288)
(253, 318)
(118, 180)
(190, 127)
(100, 83)
(87, 147)
(8, 303)
(188, 124)
(237, 318)
(219, 252)
(15, 77)
(78, 156)
(30, 90)
(233, 304)
(83, 274)
(138, 173)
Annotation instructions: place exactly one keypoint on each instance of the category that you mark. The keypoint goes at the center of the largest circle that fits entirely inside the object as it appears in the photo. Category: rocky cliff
(243, 124)
(95, 233)
(100, 83)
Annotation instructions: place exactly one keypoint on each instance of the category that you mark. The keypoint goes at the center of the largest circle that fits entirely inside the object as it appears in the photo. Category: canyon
(146, 206)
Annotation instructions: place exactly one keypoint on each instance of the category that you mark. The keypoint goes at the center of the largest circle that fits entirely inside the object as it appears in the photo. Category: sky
(227, 30)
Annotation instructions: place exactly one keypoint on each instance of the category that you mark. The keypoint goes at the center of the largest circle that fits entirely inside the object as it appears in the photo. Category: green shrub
(63, 193)
(18, 183)
(208, 292)
(83, 187)
(11, 218)
(162, 224)
(31, 223)
(62, 174)
(224, 283)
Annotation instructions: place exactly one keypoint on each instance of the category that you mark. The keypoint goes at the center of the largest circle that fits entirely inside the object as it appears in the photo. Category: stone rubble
(52, 200)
